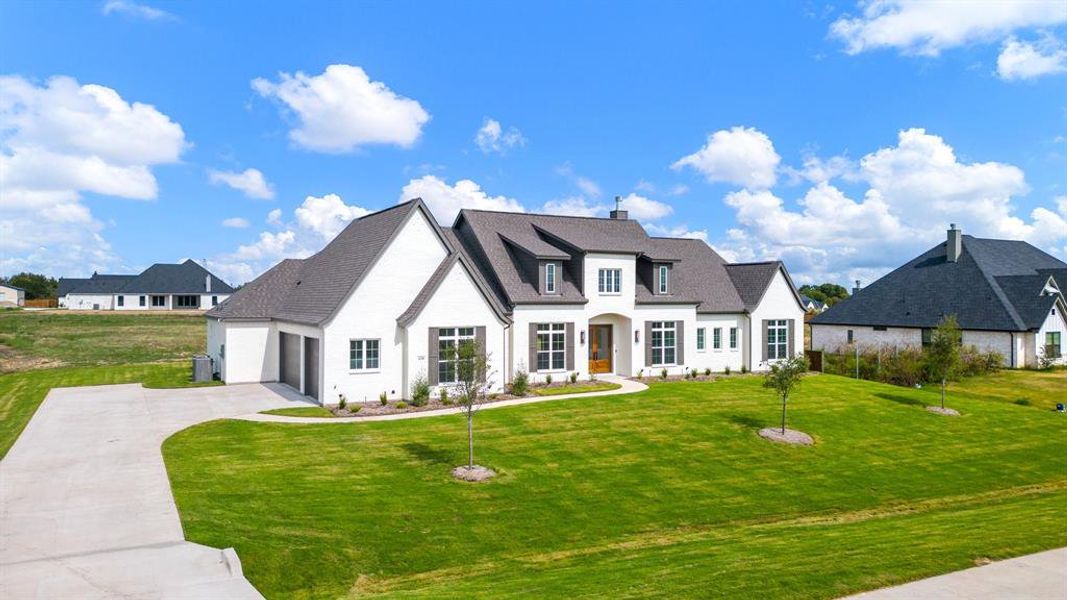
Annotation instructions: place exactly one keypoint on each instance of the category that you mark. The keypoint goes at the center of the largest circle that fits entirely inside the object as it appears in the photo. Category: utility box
(202, 368)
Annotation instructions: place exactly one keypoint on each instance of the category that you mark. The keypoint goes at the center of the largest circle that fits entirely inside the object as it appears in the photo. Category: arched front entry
(607, 344)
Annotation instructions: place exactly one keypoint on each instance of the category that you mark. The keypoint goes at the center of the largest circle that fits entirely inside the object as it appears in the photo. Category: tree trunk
(942, 393)
(785, 398)
(470, 439)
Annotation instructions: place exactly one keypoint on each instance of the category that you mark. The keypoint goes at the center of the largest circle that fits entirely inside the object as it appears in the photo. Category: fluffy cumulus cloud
(927, 28)
(445, 201)
(677, 231)
(645, 209)
(574, 206)
(342, 109)
(911, 191)
(61, 139)
(742, 155)
(249, 182)
(314, 223)
(492, 138)
(1020, 60)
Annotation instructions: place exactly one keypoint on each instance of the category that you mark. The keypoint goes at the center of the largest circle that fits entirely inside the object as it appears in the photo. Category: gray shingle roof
(752, 280)
(262, 297)
(699, 276)
(161, 278)
(995, 285)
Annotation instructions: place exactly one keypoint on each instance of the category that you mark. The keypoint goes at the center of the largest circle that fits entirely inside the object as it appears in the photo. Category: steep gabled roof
(698, 276)
(752, 280)
(995, 285)
(262, 297)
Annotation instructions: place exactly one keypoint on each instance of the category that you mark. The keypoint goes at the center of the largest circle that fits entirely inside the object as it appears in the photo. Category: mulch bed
(792, 436)
(948, 412)
(473, 474)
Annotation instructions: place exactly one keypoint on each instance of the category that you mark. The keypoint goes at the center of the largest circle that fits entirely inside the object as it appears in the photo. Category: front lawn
(575, 388)
(666, 493)
(1042, 389)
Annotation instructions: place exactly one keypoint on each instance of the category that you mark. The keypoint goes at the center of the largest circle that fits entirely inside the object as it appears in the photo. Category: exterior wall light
(637, 336)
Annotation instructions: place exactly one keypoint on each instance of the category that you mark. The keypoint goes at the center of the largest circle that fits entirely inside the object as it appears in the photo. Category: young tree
(472, 375)
(943, 354)
(783, 377)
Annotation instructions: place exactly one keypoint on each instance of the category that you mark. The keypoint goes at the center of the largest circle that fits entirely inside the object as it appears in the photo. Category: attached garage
(311, 367)
(289, 359)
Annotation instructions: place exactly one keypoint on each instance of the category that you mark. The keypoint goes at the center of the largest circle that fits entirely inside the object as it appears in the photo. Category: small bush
(401, 404)
(640, 373)
(383, 398)
(520, 385)
(725, 371)
(355, 409)
(420, 392)
(444, 397)
(574, 378)
(663, 374)
(744, 369)
(342, 402)
(548, 379)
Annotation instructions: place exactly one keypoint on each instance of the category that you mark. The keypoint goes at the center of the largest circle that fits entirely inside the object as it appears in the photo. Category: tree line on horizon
(37, 286)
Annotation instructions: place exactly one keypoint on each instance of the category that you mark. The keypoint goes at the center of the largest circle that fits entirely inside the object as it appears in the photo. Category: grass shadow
(747, 421)
(428, 454)
(900, 399)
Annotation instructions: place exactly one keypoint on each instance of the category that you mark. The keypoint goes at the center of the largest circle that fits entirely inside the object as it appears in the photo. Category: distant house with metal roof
(388, 300)
(1006, 296)
(184, 286)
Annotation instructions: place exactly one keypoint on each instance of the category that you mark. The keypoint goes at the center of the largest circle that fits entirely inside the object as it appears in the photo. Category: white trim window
(716, 338)
(777, 339)
(664, 348)
(448, 341)
(609, 281)
(733, 338)
(700, 339)
(364, 355)
(664, 275)
(550, 278)
(551, 346)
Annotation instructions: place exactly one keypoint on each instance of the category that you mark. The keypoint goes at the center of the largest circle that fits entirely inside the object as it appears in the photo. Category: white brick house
(389, 298)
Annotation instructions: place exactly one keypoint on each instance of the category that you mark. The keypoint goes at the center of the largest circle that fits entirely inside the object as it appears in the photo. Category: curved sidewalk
(628, 387)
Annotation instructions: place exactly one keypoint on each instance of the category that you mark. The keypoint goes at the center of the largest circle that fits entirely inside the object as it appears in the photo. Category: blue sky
(842, 138)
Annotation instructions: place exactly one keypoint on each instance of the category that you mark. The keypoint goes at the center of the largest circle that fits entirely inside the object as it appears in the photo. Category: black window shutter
(569, 346)
(765, 341)
(532, 366)
(479, 339)
(680, 341)
(432, 357)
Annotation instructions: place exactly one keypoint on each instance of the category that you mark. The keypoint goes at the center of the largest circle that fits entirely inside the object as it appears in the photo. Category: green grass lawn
(577, 388)
(1042, 389)
(666, 493)
(301, 411)
(30, 339)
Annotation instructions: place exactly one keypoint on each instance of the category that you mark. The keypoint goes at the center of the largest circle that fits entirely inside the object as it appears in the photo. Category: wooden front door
(600, 348)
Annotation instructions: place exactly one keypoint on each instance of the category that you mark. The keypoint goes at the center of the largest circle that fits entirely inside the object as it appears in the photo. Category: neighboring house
(11, 296)
(185, 286)
(388, 300)
(812, 305)
(1006, 295)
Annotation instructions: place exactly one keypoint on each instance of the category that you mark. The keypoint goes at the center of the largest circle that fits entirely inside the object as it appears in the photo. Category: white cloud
(914, 190)
(314, 223)
(680, 231)
(926, 28)
(644, 209)
(491, 137)
(588, 187)
(235, 222)
(445, 201)
(1027, 60)
(342, 109)
(251, 182)
(742, 155)
(574, 206)
(133, 9)
(819, 170)
(327, 215)
(61, 139)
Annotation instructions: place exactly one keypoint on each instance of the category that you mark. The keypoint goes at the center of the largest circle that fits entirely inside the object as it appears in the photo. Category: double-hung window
(663, 343)
(777, 339)
(664, 274)
(716, 338)
(448, 341)
(609, 281)
(733, 338)
(551, 346)
(700, 339)
(122, 300)
(1052, 344)
(363, 355)
(550, 278)
(140, 301)
(214, 301)
(159, 301)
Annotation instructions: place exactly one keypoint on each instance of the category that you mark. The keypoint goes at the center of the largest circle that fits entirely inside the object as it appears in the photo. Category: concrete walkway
(628, 387)
(1041, 576)
(86, 509)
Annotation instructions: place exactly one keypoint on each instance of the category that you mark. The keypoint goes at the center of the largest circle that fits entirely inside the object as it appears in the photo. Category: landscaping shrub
(383, 398)
(342, 402)
(663, 374)
(444, 397)
(548, 379)
(520, 385)
(420, 391)
(903, 366)
(574, 377)
(725, 371)
(744, 369)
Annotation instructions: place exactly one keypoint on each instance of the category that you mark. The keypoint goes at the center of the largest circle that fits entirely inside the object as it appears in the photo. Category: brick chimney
(954, 246)
(619, 213)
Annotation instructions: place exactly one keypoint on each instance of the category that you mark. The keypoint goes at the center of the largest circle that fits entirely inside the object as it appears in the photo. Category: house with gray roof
(184, 286)
(1006, 295)
(387, 302)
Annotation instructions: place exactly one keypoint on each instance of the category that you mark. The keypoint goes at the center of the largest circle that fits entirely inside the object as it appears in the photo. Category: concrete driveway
(86, 509)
